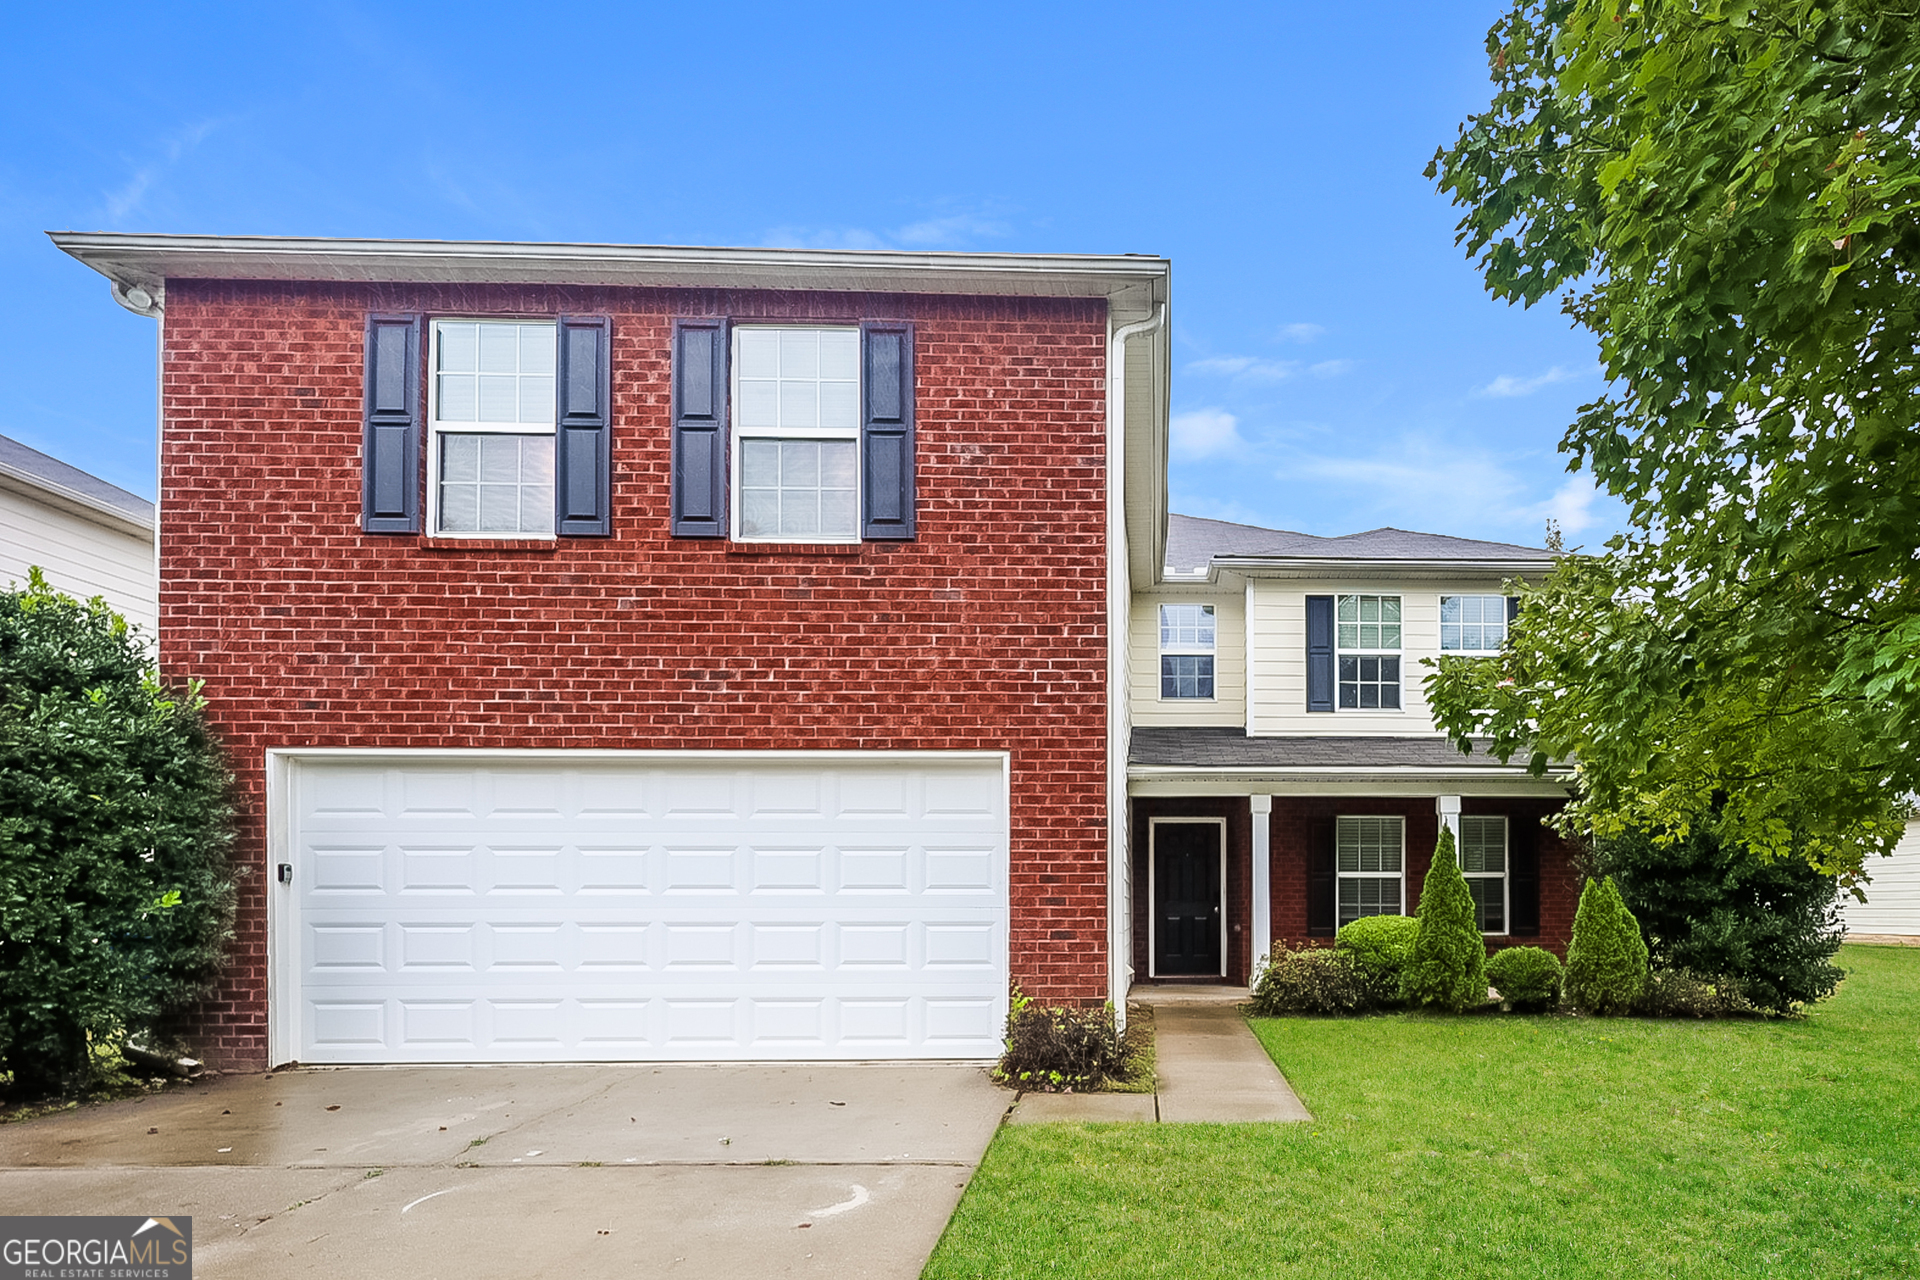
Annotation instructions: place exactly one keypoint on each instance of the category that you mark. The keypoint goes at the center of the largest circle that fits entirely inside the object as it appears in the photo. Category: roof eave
(1326, 567)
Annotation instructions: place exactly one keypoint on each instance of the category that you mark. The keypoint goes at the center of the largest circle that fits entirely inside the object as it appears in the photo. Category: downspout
(1119, 610)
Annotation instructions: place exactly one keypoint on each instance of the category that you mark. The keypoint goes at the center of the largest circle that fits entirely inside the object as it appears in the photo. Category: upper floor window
(797, 434)
(1472, 624)
(1367, 634)
(492, 413)
(1483, 860)
(1186, 650)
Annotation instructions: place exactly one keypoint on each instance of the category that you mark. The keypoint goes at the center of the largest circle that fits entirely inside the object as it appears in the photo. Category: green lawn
(1500, 1147)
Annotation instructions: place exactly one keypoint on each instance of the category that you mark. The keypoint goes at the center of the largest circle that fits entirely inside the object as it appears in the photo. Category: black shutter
(390, 441)
(699, 429)
(583, 429)
(1319, 653)
(1513, 609)
(1322, 883)
(1523, 875)
(886, 431)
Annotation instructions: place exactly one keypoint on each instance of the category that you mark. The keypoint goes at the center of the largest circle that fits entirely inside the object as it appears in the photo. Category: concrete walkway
(1210, 1070)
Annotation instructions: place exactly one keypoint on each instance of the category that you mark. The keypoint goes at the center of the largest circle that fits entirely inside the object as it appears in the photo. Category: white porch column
(1262, 859)
(1448, 807)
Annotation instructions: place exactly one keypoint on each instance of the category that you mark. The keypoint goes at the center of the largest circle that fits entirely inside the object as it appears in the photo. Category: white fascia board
(1333, 568)
(1132, 284)
(588, 754)
(73, 502)
(1319, 781)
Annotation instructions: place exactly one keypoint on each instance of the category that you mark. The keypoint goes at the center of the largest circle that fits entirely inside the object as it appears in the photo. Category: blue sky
(1337, 364)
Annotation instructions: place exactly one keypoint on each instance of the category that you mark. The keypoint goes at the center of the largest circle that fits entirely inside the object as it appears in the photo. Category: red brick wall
(989, 631)
(1239, 895)
(1292, 822)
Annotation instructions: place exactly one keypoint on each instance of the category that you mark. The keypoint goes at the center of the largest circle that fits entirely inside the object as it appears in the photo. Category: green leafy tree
(1607, 959)
(116, 901)
(1729, 194)
(1448, 968)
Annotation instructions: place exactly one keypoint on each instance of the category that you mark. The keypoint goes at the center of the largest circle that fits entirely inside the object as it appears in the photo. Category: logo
(129, 1248)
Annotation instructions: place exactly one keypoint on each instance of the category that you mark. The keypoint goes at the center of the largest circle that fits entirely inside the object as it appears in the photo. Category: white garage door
(555, 908)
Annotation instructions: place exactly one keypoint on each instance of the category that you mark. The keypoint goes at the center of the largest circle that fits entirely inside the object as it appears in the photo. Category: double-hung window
(1186, 650)
(1369, 860)
(1472, 624)
(797, 433)
(1367, 631)
(1483, 860)
(492, 414)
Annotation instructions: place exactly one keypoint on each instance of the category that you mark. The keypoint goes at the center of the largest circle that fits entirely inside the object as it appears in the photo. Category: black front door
(1186, 898)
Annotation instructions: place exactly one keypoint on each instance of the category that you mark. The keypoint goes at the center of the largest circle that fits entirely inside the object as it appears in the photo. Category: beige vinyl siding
(1228, 706)
(79, 556)
(1893, 899)
(1279, 660)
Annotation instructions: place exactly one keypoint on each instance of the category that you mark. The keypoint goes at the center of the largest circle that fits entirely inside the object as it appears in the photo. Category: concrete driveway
(680, 1170)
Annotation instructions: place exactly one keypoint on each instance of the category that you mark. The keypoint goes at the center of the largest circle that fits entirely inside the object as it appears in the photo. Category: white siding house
(1893, 899)
(90, 538)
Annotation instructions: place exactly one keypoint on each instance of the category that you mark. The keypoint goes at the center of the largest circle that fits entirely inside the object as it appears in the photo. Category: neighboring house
(89, 537)
(1286, 774)
(1892, 908)
(634, 653)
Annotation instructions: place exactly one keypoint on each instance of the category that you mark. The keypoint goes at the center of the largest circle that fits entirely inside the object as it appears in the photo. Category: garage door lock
(286, 873)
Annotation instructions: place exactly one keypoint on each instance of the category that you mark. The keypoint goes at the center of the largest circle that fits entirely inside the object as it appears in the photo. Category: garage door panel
(544, 912)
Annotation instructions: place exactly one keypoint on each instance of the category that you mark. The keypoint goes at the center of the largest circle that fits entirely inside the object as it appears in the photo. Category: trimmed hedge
(1448, 969)
(1311, 980)
(1526, 977)
(1379, 948)
(1607, 959)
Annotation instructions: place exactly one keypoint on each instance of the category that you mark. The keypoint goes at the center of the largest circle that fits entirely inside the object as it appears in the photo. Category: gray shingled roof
(1193, 542)
(17, 459)
(1232, 749)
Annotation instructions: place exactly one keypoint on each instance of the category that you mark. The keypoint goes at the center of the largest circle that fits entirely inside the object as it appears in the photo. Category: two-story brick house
(1286, 775)
(635, 653)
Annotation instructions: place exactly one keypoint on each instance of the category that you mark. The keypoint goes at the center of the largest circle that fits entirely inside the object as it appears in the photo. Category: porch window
(1483, 860)
(1369, 862)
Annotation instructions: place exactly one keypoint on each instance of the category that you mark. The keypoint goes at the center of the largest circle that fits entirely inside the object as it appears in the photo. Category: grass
(1139, 1077)
(1502, 1147)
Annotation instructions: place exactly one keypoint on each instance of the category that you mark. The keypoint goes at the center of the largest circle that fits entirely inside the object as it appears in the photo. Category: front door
(1186, 898)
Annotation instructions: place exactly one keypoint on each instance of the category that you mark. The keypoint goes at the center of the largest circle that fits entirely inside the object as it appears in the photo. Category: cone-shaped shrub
(1449, 965)
(1607, 959)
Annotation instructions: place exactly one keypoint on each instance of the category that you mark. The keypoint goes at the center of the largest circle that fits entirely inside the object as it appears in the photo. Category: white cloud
(1251, 368)
(1506, 386)
(1300, 332)
(1331, 368)
(1422, 485)
(1571, 506)
(132, 193)
(944, 231)
(956, 229)
(1205, 433)
(824, 238)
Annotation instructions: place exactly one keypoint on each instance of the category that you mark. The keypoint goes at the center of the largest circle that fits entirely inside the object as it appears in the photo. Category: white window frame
(1501, 616)
(436, 428)
(1178, 650)
(738, 435)
(1398, 653)
(1504, 875)
(1400, 878)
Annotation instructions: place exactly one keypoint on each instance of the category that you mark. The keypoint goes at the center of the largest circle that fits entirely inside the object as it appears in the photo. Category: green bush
(1525, 977)
(1607, 960)
(1769, 929)
(1448, 968)
(1379, 948)
(116, 902)
(1311, 980)
(1060, 1050)
(1678, 993)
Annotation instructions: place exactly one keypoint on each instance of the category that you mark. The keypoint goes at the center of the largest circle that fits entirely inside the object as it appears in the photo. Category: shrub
(1679, 993)
(1060, 1050)
(1448, 968)
(1379, 948)
(1607, 960)
(1768, 928)
(1526, 977)
(1311, 980)
(115, 898)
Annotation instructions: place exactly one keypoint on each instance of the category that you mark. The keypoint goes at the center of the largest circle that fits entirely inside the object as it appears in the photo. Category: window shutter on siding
(1523, 875)
(390, 440)
(1513, 609)
(1322, 883)
(583, 429)
(886, 431)
(1319, 653)
(699, 429)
